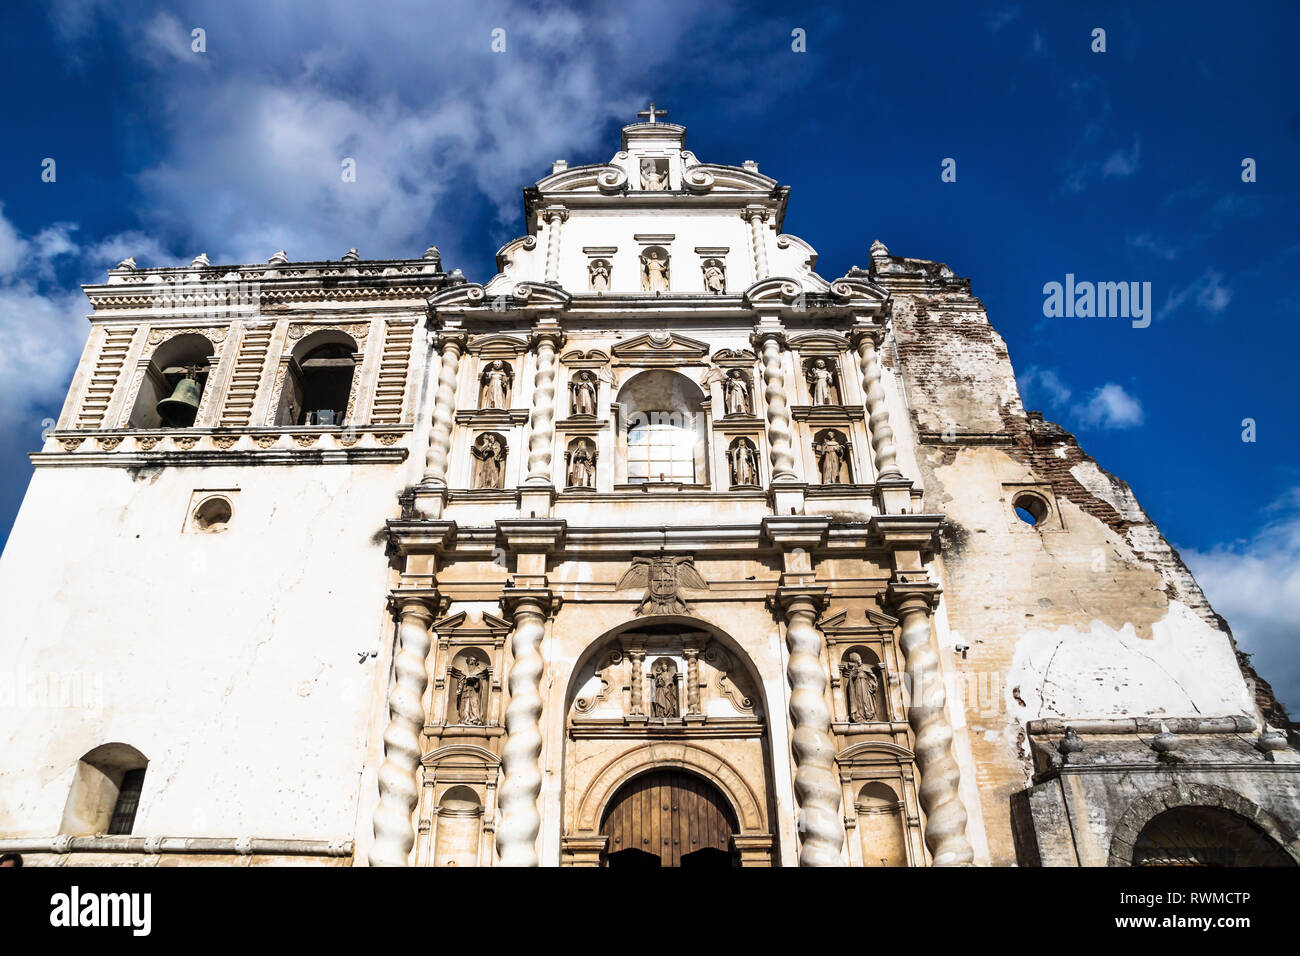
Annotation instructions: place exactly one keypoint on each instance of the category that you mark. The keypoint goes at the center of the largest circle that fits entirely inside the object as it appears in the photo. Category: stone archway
(669, 818)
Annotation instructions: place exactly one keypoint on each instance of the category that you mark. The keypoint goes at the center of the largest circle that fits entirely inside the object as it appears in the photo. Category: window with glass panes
(661, 448)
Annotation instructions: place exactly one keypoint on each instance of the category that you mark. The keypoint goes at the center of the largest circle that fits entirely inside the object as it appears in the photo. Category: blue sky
(1115, 166)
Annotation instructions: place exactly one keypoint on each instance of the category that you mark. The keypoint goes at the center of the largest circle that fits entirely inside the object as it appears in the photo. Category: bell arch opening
(174, 381)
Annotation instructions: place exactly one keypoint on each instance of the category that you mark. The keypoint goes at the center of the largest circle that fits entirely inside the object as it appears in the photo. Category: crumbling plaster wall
(1091, 614)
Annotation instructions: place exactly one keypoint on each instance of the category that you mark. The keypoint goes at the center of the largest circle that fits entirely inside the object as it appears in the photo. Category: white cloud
(1120, 163)
(1255, 585)
(1034, 382)
(1209, 293)
(1109, 407)
(1153, 245)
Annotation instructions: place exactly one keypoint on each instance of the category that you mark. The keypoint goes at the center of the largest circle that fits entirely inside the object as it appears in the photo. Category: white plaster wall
(230, 660)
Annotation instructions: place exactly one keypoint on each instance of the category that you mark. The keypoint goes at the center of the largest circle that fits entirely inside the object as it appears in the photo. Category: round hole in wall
(1030, 508)
(213, 514)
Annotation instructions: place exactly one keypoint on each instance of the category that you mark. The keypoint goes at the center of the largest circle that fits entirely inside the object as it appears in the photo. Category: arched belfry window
(105, 791)
(318, 382)
(666, 429)
(173, 384)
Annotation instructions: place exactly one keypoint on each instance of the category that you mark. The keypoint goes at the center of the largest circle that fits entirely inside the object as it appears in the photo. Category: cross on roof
(651, 113)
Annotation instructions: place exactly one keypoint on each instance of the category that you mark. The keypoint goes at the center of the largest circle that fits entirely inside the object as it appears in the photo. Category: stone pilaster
(945, 825)
(815, 784)
(866, 341)
(521, 755)
(399, 784)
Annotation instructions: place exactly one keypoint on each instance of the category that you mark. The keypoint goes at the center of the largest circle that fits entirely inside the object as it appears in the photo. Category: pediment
(774, 291)
(851, 289)
(496, 346)
(471, 295)
(811, 342)
(660, 348)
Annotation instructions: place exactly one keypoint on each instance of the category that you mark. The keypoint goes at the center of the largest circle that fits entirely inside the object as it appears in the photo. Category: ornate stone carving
(654, 270)
(598, 274)
(469, 691)
(821, 382)
(217, 335)
(266, 441)
(665, 703)
(860, 689)
(356, 330)
(742, 458)
(735, 391)
(147, 443)
(663, 577)
(832, 450)
(225, 442)
(185, 443)
(582, 393)
(71, 444)
(778, 411)
(109, 443)
(882, 434)
(489, 451)
(654, 177)
(613, 657)
(306, 441)
(444, 407)
(715, 276)
(494, 386)
(541, 418)
(716, 656)
(580, 464)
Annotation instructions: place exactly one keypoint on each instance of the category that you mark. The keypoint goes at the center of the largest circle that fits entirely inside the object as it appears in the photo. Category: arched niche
(664, 429)
(318, 380)
(469, 683)
(458, 828)
(881, 830)
(188, 355)
(862, 686)
(105, 791)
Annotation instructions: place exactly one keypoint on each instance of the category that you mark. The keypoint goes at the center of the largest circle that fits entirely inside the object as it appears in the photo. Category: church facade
(656, 549)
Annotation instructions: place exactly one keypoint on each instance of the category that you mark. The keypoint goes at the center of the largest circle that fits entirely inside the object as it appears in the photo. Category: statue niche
(715, 276)
(861, 686)
(823, 384)
(654, 269)
(832, 450)
(598, 273)
(666, 702)
(468, 687)
(742, 456)
(580, 464)
(489, 451)
(494, 386)
(654, 174)
(582, 393)
(736, 392)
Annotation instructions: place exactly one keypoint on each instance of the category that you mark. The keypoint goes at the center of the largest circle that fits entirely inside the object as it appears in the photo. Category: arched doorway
(1205, 836)
(669, 818)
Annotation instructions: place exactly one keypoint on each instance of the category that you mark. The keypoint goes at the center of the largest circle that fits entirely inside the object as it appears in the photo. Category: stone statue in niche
(583, 389)
(652, 178)
(496, 386)
(598, 272)
(581, 458)
(860, 689)
(715, 277)
(489, 452)
(831, 455)
(736, 392)
(744, 462)
(820, 381)
(665, 702)
(663, 577)
(469, 691)
(654, 272)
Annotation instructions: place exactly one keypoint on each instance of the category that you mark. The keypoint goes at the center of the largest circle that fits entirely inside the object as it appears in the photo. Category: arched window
(666, 428)
(318, 382)
(105, 791)
(173, 383)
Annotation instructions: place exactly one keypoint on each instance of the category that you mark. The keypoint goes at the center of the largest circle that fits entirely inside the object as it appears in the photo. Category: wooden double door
(669, 818)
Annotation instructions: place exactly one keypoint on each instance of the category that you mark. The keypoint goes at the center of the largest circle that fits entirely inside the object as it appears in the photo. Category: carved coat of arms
(663, 577)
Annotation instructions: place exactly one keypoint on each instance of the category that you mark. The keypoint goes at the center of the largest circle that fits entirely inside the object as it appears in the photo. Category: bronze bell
(179, 410)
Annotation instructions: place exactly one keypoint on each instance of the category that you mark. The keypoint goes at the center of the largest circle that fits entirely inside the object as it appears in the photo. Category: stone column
(945, 824)
(757, 217)
(636, 655)
(554, 219)
(521, 755)
(692, 655)
(882, 435)
(769, 343)
(399, 783)
(444, 408)
(542, 418)
(815, 783)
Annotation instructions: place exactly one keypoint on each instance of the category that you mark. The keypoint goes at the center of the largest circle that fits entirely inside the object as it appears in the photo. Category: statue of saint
(490, 461)
(469, 691)
(737, 393)
(860, 686)
(582, 466)
(744, 469)
(665, 698)
(830, 455)
(584, 394)
(496, 384)
(656, 273)
(599, 271)
(820, 380)
(651, 178)
(715, 279)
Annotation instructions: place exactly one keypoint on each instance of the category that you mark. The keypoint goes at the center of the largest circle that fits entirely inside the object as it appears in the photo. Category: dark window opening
(326, 385)
(128, 801)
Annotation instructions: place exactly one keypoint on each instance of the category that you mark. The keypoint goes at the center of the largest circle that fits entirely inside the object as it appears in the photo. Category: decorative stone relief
(663, 577)
(666, 702)
(612, 659)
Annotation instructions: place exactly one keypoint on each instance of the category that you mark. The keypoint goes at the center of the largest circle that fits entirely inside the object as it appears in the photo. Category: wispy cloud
(1208, 293)
(1108, 407)
(1153, 245)
(1037, 384)
(1121, 163)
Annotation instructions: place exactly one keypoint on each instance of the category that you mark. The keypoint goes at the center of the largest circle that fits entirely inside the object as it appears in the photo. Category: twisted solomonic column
(554, 219)
(399, 779)
(521, 755)
(757, 234)
(945, 814)
(444, 408)
(779, 433)
(882, 435)
(542, 418)
(816, 785)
